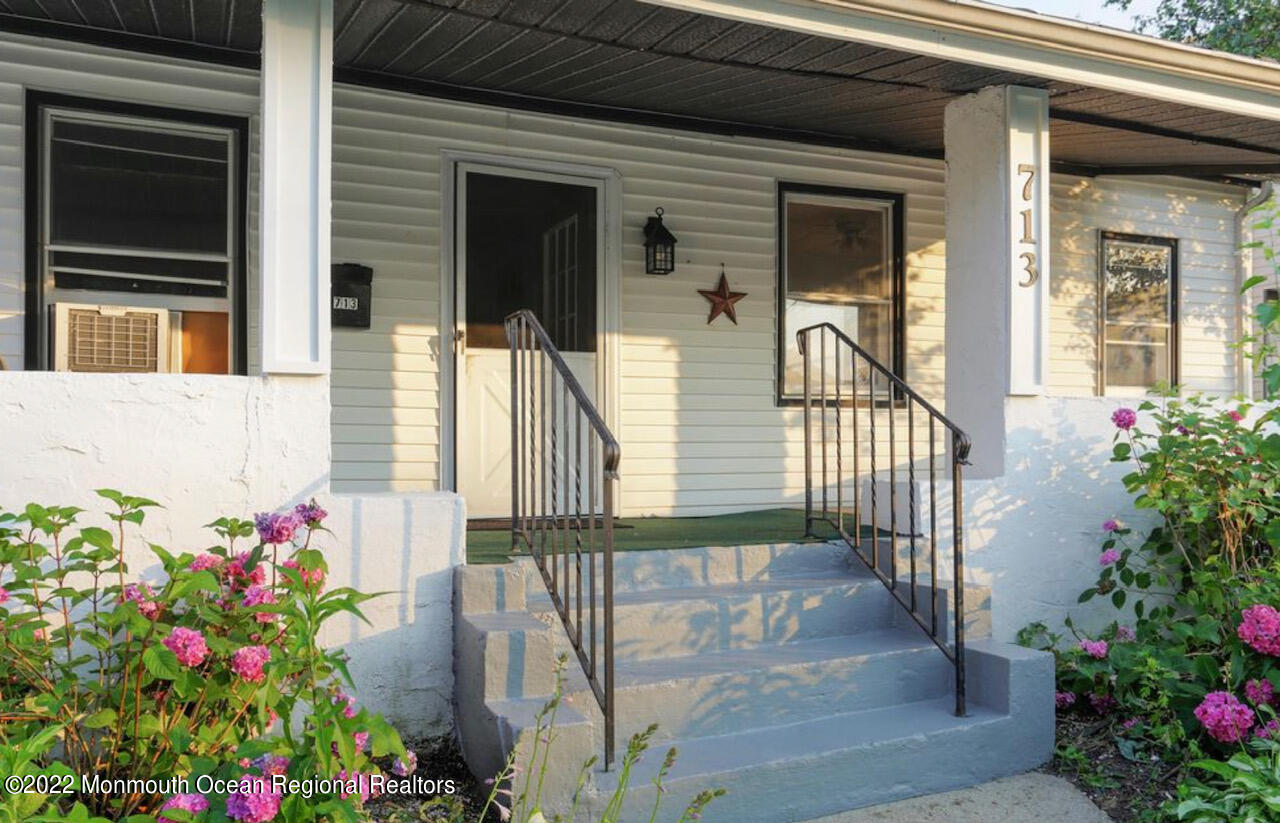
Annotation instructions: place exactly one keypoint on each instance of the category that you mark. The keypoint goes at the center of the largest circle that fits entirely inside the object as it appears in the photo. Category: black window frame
(1175, 311)
(786, 337)
(35, 103)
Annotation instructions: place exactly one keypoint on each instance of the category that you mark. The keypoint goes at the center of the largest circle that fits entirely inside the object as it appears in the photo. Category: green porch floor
(641, 533)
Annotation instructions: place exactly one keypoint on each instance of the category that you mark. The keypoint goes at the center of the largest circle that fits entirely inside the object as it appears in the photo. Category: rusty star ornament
(722, 300)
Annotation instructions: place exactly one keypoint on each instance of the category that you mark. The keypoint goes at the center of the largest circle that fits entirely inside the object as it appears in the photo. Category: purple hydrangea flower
(276, 527)
(1108, 557)
(253, 802)
(1124, 418)
(1064, 700)
(193, 803)
(1096, 649)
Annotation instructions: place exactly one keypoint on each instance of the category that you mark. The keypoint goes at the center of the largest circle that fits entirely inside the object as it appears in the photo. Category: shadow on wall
(1034, 534)
(404, 547)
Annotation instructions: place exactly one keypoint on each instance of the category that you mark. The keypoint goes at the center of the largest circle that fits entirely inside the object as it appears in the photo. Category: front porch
(961, 198)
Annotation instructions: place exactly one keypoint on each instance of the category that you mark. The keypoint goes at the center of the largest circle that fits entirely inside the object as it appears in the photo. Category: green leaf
(100, 719)
(1257, 279)
(161, 662)
(1117, 599)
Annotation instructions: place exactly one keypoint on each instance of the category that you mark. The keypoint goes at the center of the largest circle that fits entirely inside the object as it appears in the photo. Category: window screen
(138, 208)
(1138, 312)
(838, 267)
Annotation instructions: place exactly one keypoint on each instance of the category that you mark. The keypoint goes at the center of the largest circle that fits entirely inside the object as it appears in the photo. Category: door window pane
(530, 244)
(839, 268)
(1138, 287)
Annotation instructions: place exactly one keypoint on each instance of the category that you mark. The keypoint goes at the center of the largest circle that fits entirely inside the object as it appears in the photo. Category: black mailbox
(351, 289)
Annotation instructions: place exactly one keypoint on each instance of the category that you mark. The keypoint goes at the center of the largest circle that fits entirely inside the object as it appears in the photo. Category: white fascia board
(1015, 41)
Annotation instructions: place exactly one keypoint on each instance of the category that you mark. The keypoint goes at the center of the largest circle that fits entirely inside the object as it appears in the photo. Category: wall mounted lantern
(659, 246)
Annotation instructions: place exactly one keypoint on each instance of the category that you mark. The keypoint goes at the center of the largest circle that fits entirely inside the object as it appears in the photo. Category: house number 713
(1028, 235)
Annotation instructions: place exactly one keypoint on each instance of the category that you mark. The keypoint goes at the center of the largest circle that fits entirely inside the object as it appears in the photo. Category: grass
(636, 534)
(640, 533)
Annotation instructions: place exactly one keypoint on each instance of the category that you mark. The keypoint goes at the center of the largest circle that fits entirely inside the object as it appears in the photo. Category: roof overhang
(1015, 40)
(865, 74)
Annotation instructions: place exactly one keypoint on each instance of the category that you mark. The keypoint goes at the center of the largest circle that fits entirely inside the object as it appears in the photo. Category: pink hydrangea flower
(1259, 692)
(193, 803)
(187, 645)
(1225, 718)
(1235, 415)
(1268, 730)
(311, 578)
(1064, 700)
(239, 578)
(1124, 633)
(141, 594)
(4, 595)
(256, 595)
(1124, 418)
(1260, 628)
(1108, 557)
(271, 764)
(247, 662)
(1095, 648)
(1111, 525)
(350, 711)
(360, 783)
(253, 802)
(403, 767)
(206, 562)
(277, 527)
(311, 513)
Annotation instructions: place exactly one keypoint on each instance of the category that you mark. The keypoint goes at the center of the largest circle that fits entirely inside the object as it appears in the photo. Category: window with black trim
(1138, 312)
(839, 262)
(135, 238)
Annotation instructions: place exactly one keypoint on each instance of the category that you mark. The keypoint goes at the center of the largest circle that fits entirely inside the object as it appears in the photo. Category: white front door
(525, 240)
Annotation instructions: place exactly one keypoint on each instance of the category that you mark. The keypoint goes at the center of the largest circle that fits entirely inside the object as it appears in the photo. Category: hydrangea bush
(212, 670)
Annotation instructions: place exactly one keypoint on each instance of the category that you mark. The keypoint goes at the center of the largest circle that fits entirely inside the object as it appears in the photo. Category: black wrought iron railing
(564, 469)
(857, 414)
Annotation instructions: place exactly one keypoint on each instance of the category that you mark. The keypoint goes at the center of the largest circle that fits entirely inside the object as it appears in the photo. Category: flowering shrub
(211, 672)
(1213, 478)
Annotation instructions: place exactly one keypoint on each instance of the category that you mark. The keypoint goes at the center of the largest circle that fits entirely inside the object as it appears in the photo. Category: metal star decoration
(722, 300)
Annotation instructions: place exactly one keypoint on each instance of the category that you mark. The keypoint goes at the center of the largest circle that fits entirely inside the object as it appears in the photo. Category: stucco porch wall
(204, 447)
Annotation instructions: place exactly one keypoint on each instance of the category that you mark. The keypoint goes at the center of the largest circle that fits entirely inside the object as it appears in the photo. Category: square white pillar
(997, 319)
(297, 91)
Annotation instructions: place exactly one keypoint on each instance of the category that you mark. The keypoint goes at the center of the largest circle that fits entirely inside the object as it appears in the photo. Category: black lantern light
(659, 246)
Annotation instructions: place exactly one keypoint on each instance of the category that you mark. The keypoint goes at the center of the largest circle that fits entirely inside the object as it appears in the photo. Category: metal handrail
(899, 397)
(547, 442)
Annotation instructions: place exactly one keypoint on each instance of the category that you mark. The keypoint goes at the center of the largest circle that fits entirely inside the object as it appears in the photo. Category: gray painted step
(726, 691)
(698, 619)
(843, 761)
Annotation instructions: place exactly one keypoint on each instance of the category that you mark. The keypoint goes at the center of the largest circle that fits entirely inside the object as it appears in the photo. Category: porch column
(296, 99)
(997, 315)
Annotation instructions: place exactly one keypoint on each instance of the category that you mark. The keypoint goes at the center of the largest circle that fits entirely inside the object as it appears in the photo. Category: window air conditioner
(93, 338)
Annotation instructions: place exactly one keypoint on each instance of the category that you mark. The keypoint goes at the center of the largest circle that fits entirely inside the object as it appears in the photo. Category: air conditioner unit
(94, 338)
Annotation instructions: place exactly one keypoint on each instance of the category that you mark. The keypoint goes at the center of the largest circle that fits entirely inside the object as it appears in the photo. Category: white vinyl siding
(1202, 218)
(699, 425)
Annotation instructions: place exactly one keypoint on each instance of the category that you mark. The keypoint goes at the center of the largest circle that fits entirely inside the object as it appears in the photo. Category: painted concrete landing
(1033, 797)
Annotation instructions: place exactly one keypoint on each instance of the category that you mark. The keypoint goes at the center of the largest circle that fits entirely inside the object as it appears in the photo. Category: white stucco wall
(1034, 534)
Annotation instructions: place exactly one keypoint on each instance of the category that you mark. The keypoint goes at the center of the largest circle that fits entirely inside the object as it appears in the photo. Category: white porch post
(297, 70)
(997, 319)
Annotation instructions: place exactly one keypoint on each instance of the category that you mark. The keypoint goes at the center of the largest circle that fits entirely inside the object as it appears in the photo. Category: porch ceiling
(627, 60)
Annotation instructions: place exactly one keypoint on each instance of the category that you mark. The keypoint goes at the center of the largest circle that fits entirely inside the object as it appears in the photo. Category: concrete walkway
(1024, 798)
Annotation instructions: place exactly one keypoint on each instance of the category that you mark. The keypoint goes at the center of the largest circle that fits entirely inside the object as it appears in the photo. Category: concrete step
(673, 622)
(846, 760)
(726, 691)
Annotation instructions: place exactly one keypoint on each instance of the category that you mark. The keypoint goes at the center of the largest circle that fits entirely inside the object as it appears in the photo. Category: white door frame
(608, 293)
